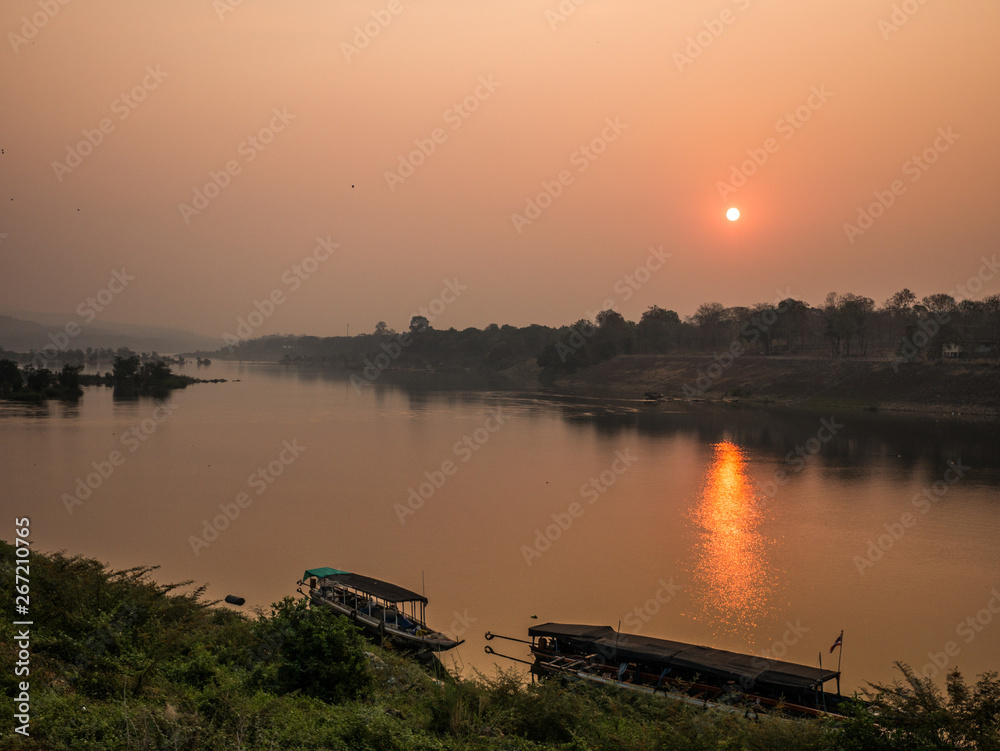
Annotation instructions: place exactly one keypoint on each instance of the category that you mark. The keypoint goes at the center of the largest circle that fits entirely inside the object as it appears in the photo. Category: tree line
(902, 328)
(846, 325)
(130, 376)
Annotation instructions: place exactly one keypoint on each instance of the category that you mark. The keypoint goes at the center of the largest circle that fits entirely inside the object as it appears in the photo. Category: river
(743, 528)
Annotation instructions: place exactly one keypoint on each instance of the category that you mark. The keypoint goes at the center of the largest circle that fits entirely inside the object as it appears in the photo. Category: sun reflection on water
(734, 578)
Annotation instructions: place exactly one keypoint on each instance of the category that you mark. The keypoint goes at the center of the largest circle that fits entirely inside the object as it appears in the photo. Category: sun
(733, 214)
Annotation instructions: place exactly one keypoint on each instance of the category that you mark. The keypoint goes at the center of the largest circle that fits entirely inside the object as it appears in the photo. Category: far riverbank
(967, 388)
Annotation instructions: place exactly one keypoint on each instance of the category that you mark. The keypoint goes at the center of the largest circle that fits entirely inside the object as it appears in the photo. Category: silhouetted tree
(856, 312)
(11, 379)
(939, 303)
(991, 307)
(847, 317)
(38, 379)
(898, 310)
(153, 373)
(793, 322)
(709, 318)
(124, 369)
(764, 320)
(657, 330)
(614, 336)
(69, 381)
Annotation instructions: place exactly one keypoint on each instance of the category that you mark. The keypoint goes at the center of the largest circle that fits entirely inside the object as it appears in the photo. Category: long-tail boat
(731, 681)
(384, 611)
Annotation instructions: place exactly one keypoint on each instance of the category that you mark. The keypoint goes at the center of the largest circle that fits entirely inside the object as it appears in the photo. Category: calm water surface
(739, 528)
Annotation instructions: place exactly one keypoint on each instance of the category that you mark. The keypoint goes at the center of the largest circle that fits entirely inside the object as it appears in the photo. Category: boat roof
(689, 657)
(369, 586)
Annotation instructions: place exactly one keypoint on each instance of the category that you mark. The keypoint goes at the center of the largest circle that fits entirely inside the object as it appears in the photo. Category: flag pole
(840, 657)
(822, 686)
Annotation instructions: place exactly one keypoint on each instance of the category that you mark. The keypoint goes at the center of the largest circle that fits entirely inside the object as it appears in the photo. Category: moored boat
(747, 684)
(384, 611)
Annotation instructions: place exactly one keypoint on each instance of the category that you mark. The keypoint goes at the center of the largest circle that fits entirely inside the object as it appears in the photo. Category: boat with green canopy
(385, 611)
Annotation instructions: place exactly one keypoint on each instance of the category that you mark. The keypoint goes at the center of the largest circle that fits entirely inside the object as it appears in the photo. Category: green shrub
(914, 714)
(322, 654)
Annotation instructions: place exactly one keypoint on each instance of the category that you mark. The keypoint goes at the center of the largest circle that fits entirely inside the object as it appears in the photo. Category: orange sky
(688, 88)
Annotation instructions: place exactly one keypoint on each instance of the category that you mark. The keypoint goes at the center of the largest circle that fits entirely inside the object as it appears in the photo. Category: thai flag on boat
(839, 642)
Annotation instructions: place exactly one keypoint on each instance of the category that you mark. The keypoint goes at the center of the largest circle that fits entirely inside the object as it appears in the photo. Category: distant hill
(22, 334)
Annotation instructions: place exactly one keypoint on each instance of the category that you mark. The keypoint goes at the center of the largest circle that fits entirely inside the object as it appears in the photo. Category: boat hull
(378, 629)
(713, 697)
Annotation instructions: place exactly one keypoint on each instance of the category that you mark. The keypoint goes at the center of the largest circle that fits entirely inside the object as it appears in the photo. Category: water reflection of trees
(914, 443)
(910, 443)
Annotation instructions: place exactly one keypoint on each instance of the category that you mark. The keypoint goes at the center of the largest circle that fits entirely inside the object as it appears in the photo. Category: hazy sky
(528, 154)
